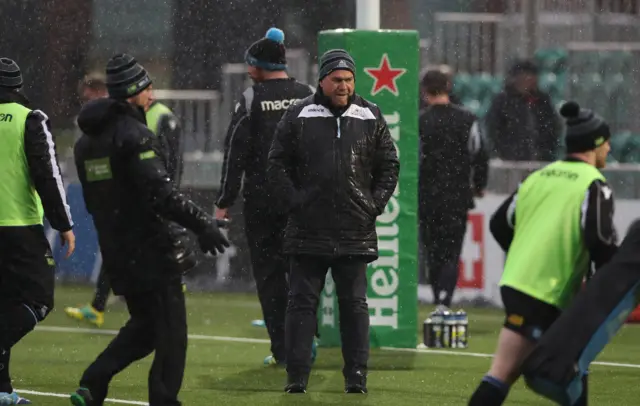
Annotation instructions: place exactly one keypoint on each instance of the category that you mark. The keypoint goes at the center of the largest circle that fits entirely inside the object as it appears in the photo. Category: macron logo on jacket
(275, 105)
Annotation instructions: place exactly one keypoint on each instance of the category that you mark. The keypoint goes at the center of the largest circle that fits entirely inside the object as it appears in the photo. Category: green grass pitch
(226, 372)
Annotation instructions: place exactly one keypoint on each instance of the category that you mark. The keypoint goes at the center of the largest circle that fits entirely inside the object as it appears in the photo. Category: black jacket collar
(131, 110)
(96, 114)
(573, 159)
(12, 96)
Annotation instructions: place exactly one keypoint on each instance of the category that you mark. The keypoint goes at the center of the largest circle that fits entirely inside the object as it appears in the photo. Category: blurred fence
(469, 42)
(561, 21)
(588, 51)
(605, 75)
(485, 42)
(200, 116)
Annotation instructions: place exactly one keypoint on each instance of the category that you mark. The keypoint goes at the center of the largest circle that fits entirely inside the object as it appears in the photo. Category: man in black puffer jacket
(133, 203)
(334, 164)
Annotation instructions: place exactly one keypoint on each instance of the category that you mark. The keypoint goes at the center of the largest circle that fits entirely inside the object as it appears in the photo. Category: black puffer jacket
(132, 200)
(336, 170)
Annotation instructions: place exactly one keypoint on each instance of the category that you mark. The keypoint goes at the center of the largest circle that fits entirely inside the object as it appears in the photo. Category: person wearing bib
(554, 229)
(31, 187)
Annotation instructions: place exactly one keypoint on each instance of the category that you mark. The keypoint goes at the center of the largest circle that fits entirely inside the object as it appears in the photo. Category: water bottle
(463, 329)
(454, 329)
(429, 333)
(448, 323)
(438, 318)
(455, 336)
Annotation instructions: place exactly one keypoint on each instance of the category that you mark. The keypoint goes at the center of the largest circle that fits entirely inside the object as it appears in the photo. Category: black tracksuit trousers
(306, 281)
(270, 268)
(158, 323)
(103, 289)
(442, 233)
(27, 274)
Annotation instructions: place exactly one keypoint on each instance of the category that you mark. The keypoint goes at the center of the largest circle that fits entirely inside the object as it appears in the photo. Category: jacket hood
(12, 96)
(96, 114)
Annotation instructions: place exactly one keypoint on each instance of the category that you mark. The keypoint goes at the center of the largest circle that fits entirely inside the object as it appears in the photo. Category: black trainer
(356, 383)
(296, 385)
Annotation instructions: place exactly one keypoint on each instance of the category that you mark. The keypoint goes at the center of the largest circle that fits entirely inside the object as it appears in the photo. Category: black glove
(181, 253)
(212, 240)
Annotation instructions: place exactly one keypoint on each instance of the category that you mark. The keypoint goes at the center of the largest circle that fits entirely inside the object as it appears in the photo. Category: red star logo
(384, 76)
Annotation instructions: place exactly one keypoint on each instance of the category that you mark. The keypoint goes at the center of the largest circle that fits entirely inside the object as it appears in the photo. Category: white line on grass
(78, 330)
(265, 341)
(56, 329)
(483, 355)
(253, 340)
(444, 352)
(62, 395)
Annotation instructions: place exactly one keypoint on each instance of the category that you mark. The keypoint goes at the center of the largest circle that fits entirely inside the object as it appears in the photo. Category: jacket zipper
(336, 155)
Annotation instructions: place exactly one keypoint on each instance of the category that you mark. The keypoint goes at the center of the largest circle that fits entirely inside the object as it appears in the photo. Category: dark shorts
(27, 268)
(526, 315)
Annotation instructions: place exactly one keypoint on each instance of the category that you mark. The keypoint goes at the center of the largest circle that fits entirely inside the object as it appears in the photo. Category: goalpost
(202, 119)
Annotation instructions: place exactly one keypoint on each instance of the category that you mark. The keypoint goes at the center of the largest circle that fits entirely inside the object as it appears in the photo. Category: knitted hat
(125, 77)
(524, 66)
(585, 129)
(269, 52)
(10, 76)
(335, 59)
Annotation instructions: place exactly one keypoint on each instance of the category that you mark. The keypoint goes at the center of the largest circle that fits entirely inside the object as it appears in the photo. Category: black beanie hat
(585, 130)
(125, 77)
(335, 59)
(524, 66)
(269, 52)
(10, 76)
